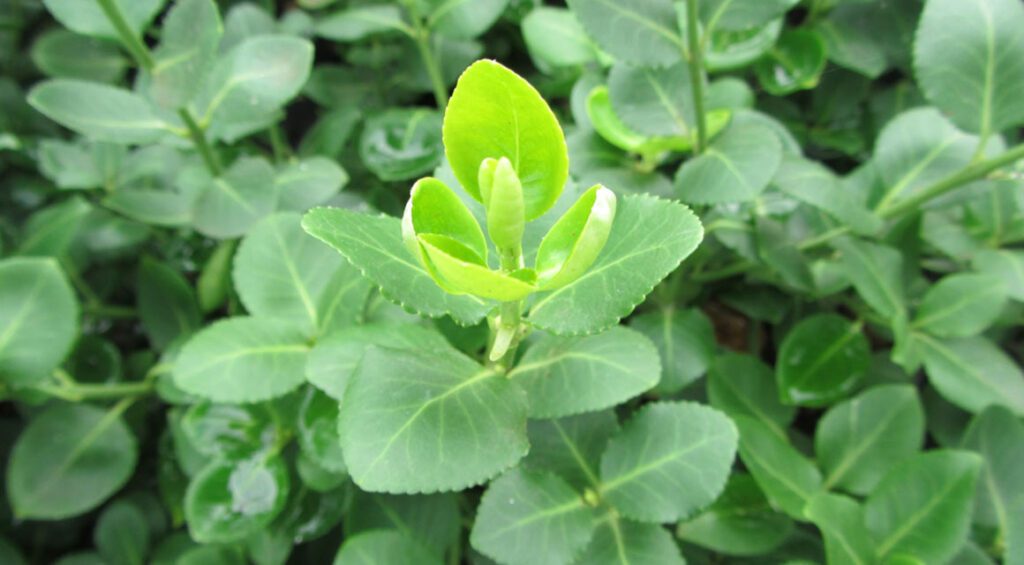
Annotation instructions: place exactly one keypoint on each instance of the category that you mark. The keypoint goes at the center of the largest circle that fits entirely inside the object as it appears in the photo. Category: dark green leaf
(821, 359)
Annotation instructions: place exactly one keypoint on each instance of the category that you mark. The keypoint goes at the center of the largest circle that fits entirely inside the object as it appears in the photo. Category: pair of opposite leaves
(508, 152)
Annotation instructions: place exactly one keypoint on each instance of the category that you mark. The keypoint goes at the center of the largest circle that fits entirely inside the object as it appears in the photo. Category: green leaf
(742, 385)
(850, 33)
(961, 305)
(859, 440)
(740, 522)
(240, 360)
(463, 19)
(649, 238)
(308, 182)
(98, 111)
(916, 149)
(813, 184)
(336, 357)
(653, 101)
(922, 508)
(230, 204)
(68, 460)
(401, 143)
(38, 319)
(383, 546)
(668, 461)
(461, 270)
(359, 22)
(62, 54)
(229, 501)
(577, 238)
(214, 282)
(122, 534)
(788, 479)
(432, 520)
(642, 32)
(556, 39)
(736, 167)
(876, 272)
(997, 435)
(686, 344)
(563, 376)
(374, 245)
(88, 18)
(423, 422)
(318, 431)
(742, 14)
(282, 272)
(571, 447)
(167, 305)
(188, 45)
(618, 541)
(517, 125)
(226, 431)
(821, 359)
(973, 373)
(841, 521)
(967, 57)
(729, 50)
(794, 63)
(531, 518)
(1005, 264)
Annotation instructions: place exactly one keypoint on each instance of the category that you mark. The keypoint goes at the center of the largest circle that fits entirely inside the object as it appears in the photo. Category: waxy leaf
(859, 440)
(736, 167)
(435, 209)
(841, 521)
(68, 460)
(618, 541)
(383, 546)
(685, 342)
(649, 238)
(668, 461)
(794, 63)
(98, 111)
(229, 501)
(742, 385)
(240, 360)
(571, 447)
(38, 319)
(318, 431)
(463, 271)
(821, 359)
(576, 239)
(414, 422)
(968, 59)
(740, 522)
(401, 144)
(973, 373)
(788, 479)
(527, 518)
(227, 431)
(563, 376)
(922, 508)
(642, 32)
(961, 305)
(374, 245)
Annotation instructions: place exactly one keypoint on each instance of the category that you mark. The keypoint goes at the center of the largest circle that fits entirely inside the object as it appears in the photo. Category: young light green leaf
(787, 477)
(794, 63)
(742, 385)
(740, 522)
(961, 305)
(668, 461)
(618, 541)
(841, 521)
(736, 167)
(188, 45)
(435, 209)
(876, 271)
(230, 204)
(563, 376)
(685, 342)
(167, 305)
(531, 518)
(413, 422)
(359, 22)
(308, 182)
(649, 238)
(1005, 264)
(229, 501)
(98, 111)
(821, 359)
(642, 32)
(571, 447)
(68, 460)
(241, 360)
(517, 125)
(653, 101)
(997, 435)
(973, 373)
(383, 546)
(577, 238)
(38, 319)
(461, 270)
(967, 58)
(88, 18)
(922, 508)
(859, 440)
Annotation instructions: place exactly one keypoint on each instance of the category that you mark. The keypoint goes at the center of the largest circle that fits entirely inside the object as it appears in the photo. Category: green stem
(78, 392)
(199, 140)
(695, 57)
(422, 36)
(109, 311)
(278, 144)
(133, 43)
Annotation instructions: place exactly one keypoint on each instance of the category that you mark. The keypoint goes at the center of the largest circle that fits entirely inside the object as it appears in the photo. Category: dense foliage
(512, 281)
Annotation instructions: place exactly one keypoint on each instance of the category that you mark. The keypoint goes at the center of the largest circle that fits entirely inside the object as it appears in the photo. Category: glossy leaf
(788, 479)
(741, 385)
(401, 144)
(576, 239)
(228, 501)
(227, 431)
(973, 373)
(821, 359)
(318, 431)
(736, 167)
(563, 376)
(794, 63)
(841, 521)
(463, 271)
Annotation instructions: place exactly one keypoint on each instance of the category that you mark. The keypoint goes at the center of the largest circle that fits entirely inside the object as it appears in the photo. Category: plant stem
(695, 57)
(199, 140)
(422, 36)
(133, 43)
(109, 311)
(78, 392)
(278, 143)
